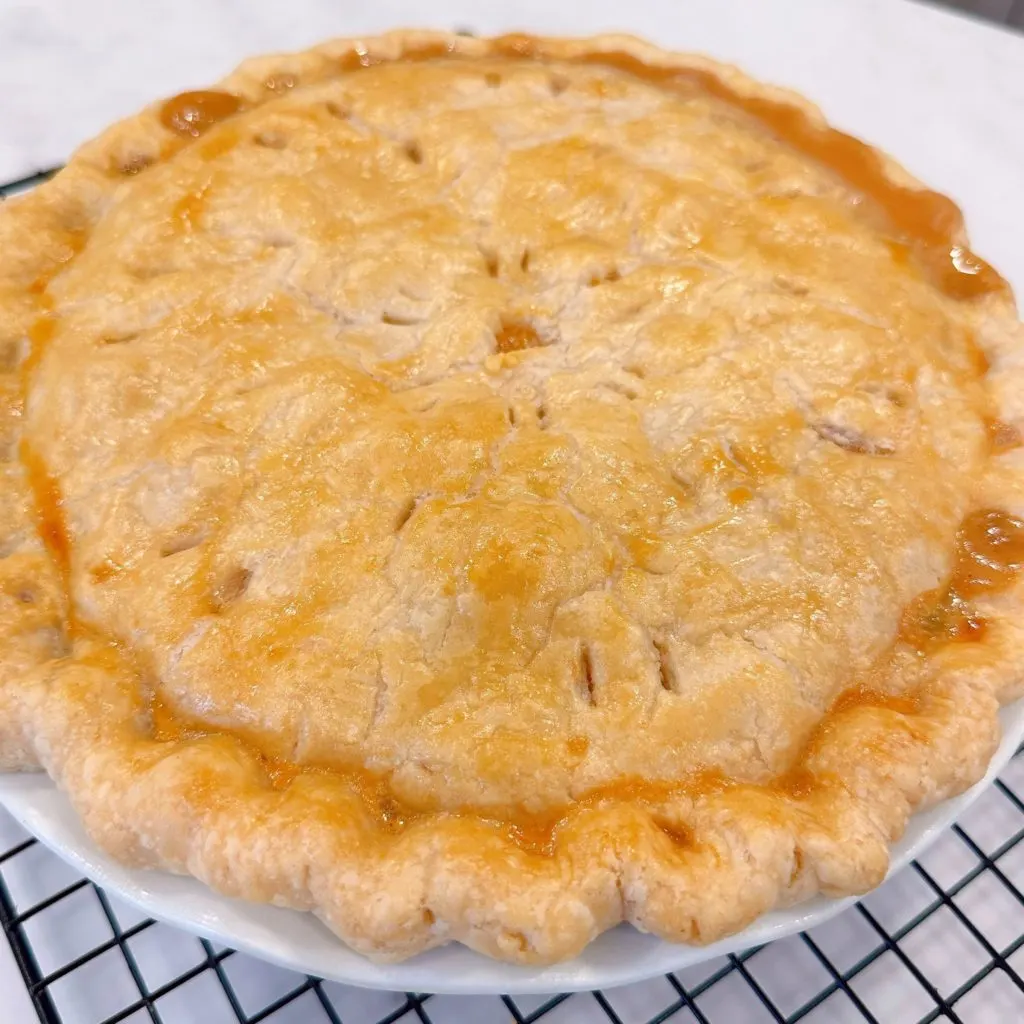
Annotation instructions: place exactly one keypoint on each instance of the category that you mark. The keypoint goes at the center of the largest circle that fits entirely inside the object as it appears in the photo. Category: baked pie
(489, 490)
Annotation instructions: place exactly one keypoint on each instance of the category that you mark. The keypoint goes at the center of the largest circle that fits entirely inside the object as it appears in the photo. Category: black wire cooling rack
(942, 940)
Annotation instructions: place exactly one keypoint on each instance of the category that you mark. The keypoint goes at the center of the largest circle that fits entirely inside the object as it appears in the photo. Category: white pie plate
(300, 942)
(819, 49)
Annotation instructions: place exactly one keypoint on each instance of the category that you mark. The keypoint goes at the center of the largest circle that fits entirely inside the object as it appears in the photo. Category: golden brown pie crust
(498, 493)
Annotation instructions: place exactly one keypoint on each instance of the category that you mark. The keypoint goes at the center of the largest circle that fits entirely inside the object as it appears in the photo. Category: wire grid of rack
(943, 939)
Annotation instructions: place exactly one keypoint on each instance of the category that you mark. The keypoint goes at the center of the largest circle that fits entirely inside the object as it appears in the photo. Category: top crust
(533, 455)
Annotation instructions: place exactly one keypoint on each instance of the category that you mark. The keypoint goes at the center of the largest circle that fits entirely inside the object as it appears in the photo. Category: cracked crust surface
(479, 499)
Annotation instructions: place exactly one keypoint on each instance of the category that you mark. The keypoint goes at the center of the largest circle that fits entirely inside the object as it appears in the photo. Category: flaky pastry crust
(484, 498)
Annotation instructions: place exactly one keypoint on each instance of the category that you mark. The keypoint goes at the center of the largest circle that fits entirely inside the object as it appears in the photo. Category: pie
(490, 490)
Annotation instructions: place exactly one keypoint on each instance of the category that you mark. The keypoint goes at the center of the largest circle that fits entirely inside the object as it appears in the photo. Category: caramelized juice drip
(866, 697)
(990, 552)
(170, 726)
(738, 469)
(187, 212)
(47, 499)
(1002, 436)
(940, 616)
(360, 57)
(538, 832)
(390, 814)
(534, 833)
(191, 114)
(105, 570)
(799, 782)
(989, 558)
(516, 335)
(577, 746)
(49, 510)
(40, 334)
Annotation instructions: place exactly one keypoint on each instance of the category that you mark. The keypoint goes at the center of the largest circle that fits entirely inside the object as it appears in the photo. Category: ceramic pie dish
(297, 941)
(486, 491)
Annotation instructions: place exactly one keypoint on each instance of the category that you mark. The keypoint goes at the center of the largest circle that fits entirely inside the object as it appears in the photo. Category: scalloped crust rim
(694, 867)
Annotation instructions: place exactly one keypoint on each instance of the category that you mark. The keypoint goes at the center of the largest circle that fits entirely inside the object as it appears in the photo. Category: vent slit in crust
(666, 668)
(588, 683)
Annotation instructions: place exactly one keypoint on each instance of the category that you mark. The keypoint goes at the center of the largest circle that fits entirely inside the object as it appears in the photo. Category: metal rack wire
(943, 939)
